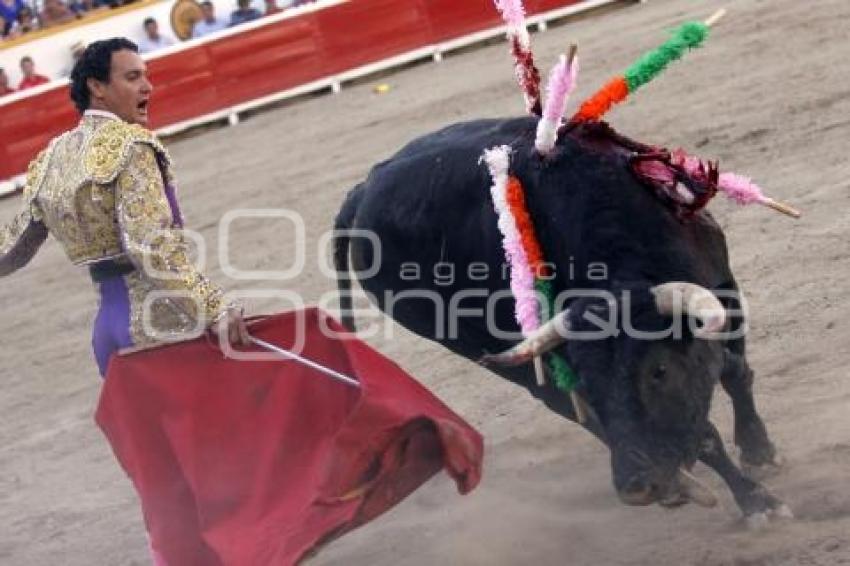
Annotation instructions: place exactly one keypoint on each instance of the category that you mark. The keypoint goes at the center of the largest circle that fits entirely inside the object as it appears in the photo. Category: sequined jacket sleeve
(21, 238)
(154, 244)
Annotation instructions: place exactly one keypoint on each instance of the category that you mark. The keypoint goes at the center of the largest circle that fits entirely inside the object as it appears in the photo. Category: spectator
(244, 13)
(209, 23)
(4, 84)
(31, 78)
(153, 40)
(26, 23)
(55, 13)
(9, 10)
(272, 8)
(81, 7)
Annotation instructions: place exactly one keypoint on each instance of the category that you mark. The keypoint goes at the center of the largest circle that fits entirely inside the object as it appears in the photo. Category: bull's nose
(636, 492)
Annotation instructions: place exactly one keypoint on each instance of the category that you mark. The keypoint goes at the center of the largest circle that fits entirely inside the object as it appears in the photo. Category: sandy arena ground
(769, 96)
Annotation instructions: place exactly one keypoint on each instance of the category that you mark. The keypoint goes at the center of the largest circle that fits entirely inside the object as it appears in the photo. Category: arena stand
(315, 47)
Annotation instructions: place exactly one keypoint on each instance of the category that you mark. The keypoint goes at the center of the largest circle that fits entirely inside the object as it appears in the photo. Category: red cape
(260, 462)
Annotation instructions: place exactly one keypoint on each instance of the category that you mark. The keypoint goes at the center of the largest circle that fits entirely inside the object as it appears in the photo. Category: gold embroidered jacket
(100, 191)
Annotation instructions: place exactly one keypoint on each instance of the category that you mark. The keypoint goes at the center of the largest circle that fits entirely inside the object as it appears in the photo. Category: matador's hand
(232, 328)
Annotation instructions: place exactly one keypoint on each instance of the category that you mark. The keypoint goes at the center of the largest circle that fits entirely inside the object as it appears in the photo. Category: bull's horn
(539, 371)
(542, 340)
(581, 408)
(688, 298)
(696, 491)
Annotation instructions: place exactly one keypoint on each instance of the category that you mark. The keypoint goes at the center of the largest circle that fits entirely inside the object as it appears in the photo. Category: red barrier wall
(358, 33)
(539, 6)
(184, 83)
(26, 127)
(261, 61)
(452, 18)
(266, 60)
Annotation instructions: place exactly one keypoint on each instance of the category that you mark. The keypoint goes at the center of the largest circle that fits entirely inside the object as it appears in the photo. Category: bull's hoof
(760, 507)
(761, 520)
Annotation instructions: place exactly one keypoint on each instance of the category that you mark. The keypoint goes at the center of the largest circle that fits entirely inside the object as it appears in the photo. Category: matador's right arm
(21, 238)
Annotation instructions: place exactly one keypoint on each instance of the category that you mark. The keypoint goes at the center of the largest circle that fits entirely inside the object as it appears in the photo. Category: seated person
(55, 13)
(9, 10)
(31, 78)
(209, 23)
(25, 23)
(4, 83)
(244, 13)
(82, 7)
(153, 40)
(272, 8)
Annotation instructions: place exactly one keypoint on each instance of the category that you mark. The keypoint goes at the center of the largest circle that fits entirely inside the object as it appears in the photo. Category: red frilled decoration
(261, 462)
(527, 75)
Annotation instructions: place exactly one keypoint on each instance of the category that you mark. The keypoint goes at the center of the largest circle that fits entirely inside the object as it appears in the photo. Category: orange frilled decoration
(615, 91)
(516, 202)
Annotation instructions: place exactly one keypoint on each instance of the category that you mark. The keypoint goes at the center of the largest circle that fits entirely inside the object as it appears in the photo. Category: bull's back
(433, 193)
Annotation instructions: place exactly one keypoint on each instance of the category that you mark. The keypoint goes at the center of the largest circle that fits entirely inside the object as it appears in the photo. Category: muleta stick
(287, 355)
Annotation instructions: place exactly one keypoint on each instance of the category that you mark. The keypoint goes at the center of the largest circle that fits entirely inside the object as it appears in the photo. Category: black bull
(441, 260)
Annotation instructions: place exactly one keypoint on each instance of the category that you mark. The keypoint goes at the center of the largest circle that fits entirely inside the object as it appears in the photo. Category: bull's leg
(757, 451)
(754, 500)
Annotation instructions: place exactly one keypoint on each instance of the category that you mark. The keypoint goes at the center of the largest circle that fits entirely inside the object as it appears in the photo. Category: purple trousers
(112, 325)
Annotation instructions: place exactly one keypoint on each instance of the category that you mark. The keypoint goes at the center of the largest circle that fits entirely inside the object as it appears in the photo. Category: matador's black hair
(95, 64)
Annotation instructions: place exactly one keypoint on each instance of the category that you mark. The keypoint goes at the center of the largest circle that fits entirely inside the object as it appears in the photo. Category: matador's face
(128, 92)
